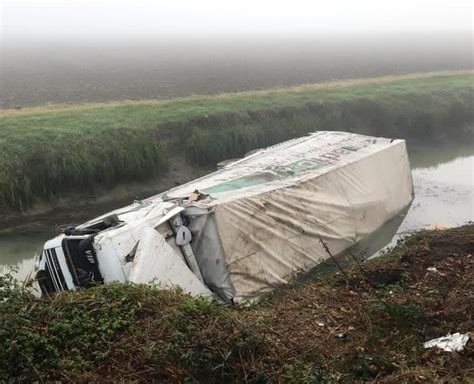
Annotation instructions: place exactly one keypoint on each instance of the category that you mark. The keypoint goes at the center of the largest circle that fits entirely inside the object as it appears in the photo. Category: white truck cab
(103, 249)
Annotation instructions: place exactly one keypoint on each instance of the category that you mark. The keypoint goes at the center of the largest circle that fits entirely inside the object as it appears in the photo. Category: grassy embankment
(368, 328)
(48, 152)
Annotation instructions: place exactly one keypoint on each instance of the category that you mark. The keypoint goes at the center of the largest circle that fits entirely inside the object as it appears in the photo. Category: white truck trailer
(245, 229)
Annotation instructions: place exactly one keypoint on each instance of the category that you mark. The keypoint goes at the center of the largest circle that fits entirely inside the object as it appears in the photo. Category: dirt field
(58, 70)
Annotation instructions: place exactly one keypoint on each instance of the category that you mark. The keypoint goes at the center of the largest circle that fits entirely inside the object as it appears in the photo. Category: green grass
(50, 152)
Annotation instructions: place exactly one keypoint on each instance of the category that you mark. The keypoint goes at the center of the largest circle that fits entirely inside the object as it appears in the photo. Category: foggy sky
(156, 18)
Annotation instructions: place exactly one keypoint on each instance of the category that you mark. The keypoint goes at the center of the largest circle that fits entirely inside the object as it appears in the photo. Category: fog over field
(84, 50)
(39, 71)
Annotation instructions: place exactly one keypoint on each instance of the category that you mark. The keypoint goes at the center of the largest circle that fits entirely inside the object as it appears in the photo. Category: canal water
(444, 188)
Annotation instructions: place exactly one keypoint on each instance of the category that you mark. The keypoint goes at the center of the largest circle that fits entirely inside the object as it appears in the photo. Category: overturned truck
(245, 229)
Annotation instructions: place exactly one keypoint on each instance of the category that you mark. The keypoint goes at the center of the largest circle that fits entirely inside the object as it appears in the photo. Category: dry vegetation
(370, 328)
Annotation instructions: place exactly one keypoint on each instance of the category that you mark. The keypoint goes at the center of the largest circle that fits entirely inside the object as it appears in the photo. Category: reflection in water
(429, 156)
(18, 251)
(444, 194)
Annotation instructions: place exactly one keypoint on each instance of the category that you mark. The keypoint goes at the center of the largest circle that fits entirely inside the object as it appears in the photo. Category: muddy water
(444, 194)
(18, 251)
(444, 188)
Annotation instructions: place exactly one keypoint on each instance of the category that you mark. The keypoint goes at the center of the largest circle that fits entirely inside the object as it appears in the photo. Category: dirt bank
(369, 327)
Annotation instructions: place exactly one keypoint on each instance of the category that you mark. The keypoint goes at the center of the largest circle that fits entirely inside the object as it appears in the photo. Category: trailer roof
(284, 164)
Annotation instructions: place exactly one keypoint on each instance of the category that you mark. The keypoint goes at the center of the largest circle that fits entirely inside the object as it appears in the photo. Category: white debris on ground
(449, 343)
(437, 227)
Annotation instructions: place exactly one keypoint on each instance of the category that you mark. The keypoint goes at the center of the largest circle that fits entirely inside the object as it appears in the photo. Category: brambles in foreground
(324, 331)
